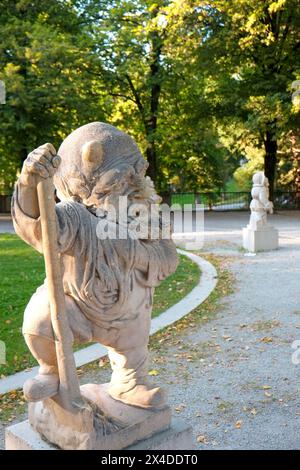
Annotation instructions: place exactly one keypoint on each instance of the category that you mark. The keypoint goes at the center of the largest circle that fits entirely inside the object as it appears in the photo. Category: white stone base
(22, 436)
(260, 240)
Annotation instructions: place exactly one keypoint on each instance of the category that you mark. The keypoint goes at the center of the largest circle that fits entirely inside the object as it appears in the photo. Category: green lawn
(189, 198)
(177, 286)
(22, 271)
(184, 198)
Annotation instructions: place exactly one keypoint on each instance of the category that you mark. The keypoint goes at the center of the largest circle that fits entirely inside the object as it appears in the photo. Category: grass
(177, 286)
(22, 271)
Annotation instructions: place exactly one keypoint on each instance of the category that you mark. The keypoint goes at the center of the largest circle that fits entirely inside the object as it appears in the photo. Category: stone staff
(69, 391)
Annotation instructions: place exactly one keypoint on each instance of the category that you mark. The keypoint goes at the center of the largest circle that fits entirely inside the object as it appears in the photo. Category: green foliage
(255, 48)
(195, 82)
(42, 57)
(157, 88)
(255, 162)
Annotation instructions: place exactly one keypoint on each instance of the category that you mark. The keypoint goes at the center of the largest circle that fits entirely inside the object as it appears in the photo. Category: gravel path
(233, 378)
(241, 390)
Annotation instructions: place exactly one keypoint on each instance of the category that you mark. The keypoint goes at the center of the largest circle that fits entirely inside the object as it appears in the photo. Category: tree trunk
(295, 154)
(270, 143)
(151, 158)
(23, 155)
(151, 127)
(155, 90)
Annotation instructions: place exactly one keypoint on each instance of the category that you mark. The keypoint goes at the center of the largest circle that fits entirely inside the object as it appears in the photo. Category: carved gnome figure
(260, 204)
(108, 283)
(259, 235)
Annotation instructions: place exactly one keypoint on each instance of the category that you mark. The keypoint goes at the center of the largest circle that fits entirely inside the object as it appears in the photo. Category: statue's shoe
(140, 395)
(41, 387)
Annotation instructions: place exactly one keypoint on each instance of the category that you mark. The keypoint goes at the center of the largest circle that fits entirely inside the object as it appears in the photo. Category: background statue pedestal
(262, 239)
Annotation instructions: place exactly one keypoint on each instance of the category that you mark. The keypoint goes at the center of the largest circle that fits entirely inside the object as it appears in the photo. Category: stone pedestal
(130, 423)
(152, 427)
(22, 436)
(262, 239)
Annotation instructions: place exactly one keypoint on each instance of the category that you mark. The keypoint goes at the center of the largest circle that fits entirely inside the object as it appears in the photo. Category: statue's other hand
(42, 162)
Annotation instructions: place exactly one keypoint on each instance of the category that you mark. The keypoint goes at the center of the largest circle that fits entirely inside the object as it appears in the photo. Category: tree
(197, 83)
(255, 45)
(127, 44)
(42, 50)
(149, 71)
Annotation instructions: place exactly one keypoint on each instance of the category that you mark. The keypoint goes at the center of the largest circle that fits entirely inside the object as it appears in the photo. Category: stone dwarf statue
(260, 204)
(108, 283)
(259, 235)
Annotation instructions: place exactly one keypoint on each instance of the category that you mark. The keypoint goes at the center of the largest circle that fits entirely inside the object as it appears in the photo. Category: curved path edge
(206, 284)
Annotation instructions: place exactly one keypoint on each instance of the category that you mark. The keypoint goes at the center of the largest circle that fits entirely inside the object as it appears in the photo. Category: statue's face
(100, 164)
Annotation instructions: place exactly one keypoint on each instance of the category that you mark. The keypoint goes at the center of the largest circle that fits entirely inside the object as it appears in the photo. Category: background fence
(229, 201)
(221, 201)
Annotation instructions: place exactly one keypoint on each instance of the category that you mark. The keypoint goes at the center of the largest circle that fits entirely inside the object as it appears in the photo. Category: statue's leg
(45, 384)
(129, 382)
(43, 350)
(128, 356)
(39, 336)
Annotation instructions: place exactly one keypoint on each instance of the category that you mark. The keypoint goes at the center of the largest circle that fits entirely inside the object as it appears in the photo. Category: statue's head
(259, 179)
(260, 185)
(100, 163)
